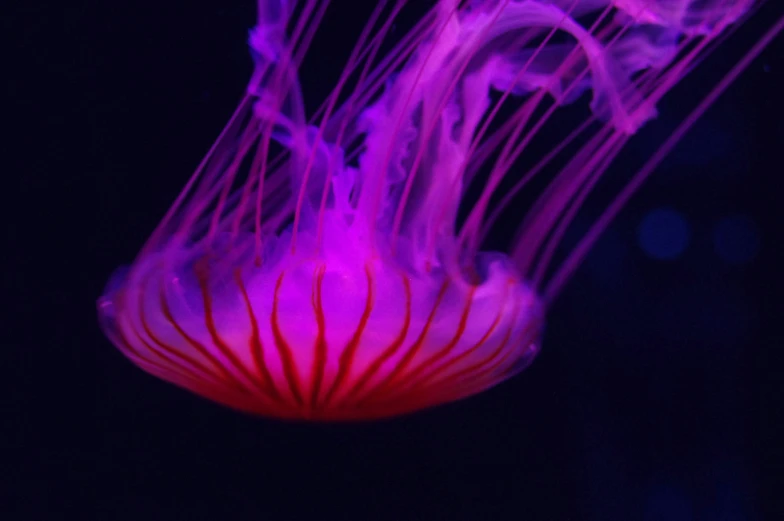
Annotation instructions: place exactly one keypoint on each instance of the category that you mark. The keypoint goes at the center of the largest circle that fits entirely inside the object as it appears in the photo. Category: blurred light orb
(664, 234)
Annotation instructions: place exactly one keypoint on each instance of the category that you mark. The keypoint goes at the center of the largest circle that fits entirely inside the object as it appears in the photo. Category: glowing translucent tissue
(327, 266)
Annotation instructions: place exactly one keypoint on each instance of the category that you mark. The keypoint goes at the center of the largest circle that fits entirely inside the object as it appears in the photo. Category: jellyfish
(332, 265)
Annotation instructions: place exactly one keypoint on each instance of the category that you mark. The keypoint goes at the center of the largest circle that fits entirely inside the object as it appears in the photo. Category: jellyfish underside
(316, 268)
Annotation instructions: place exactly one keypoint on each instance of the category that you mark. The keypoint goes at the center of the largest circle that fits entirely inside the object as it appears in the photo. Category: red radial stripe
(409, 354)
(224, 377)
(202, 276)
(169, 363)
(284, 350)
(199, 347)
(347, 355)
(256, 347)
(450, 387)
(464, 379)
(354, 393)
(444, 366)
(320, 345)
(411, 375)
(221, 388)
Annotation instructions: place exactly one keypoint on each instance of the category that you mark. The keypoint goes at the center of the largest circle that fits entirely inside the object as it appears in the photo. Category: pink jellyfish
(328, 266)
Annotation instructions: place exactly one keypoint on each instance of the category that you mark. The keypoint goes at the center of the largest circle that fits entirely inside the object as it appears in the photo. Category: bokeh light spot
(663, 234)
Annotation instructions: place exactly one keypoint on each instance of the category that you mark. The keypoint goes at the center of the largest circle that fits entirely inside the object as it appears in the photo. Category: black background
(656, 395)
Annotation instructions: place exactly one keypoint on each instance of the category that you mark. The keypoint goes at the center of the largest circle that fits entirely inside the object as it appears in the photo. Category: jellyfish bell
(329, 266)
